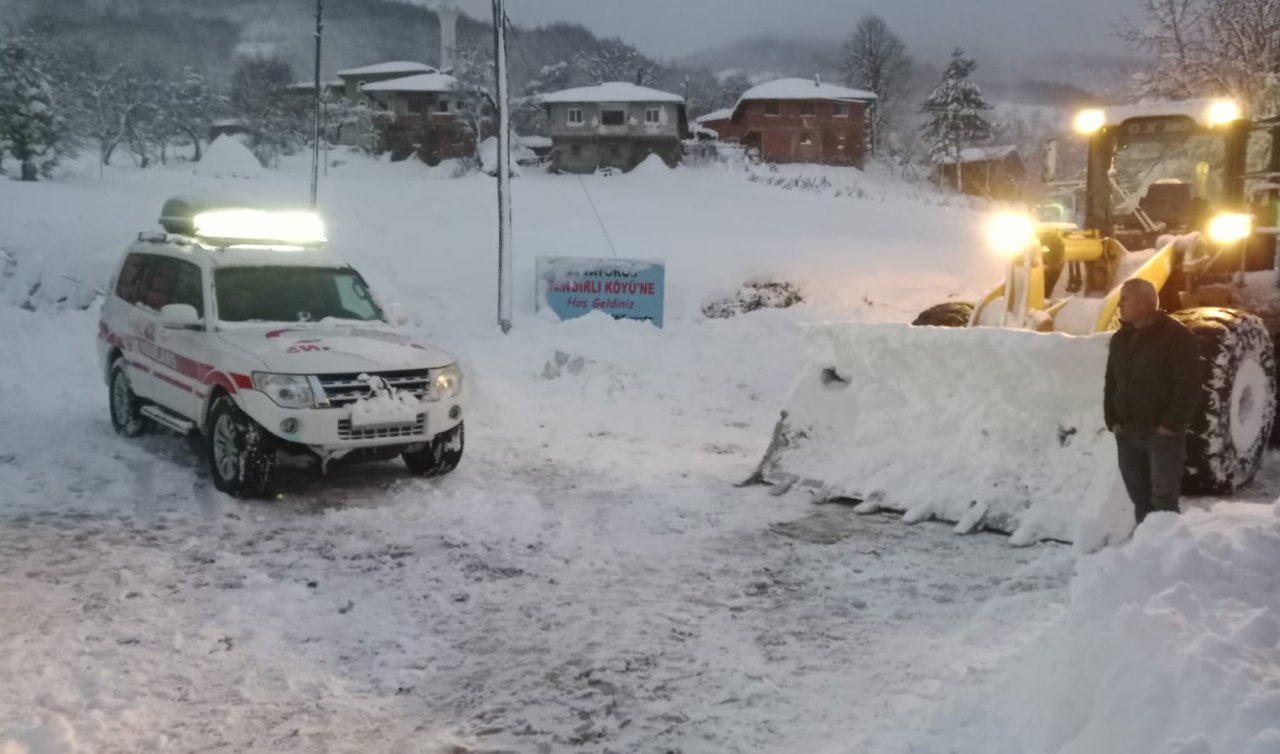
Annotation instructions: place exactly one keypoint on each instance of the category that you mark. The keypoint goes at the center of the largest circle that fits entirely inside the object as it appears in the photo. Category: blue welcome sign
(623, 288)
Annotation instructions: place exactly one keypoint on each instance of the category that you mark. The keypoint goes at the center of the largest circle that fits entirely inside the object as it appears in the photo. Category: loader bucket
(989, 428)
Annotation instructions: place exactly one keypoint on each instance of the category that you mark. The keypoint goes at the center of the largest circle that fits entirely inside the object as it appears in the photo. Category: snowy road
(585, 582)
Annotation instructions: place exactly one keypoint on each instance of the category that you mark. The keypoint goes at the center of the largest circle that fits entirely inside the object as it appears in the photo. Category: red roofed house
(800, 120)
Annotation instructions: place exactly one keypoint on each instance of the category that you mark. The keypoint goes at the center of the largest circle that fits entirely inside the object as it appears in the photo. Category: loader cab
(1169, 169)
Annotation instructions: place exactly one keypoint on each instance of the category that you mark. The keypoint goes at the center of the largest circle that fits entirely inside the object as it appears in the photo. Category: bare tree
(1210, 47)
(875, 59)
(615, 60)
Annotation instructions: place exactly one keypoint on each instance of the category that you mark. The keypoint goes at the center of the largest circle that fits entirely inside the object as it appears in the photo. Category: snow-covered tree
(615, 60)
(875, 59)
(1210, 47)
(191, 104)
(473, 67)
(954, 114)
(32, 129)
(260, 98)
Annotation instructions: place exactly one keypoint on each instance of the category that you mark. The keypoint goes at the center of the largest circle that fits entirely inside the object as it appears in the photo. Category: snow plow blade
(989, 428)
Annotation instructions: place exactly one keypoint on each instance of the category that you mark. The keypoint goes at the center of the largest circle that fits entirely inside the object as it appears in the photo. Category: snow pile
(1006, 426)
(384, 407)
(226, 157)
(651, 165)
(489, 156)
(1170, 645)
(609, 92)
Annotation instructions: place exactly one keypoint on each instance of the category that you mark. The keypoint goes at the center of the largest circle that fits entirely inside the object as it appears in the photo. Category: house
(423, 113)
(355, 79)
(993, 172)
(799, 120)
(720, 122)
(616, 125)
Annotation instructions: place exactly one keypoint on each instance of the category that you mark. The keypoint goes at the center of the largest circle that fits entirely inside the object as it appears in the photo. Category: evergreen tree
(875, 59)
(31, 127)
(954, 112)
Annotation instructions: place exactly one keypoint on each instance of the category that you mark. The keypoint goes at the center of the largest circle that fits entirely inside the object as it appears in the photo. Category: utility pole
(315, 146)
(504, 166)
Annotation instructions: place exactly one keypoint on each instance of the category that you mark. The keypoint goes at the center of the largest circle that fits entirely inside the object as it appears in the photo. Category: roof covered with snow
(422, 82)
(395, 66)
(614, 91)
(980, 154)
(804, 89)
(724, 114)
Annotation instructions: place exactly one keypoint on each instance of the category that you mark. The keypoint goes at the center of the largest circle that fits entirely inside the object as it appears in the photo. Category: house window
(442, 106)
(613, 118)
(840, 110)
(771, 108)
(575, 116)
(414, 106)
(807, 108)
(652, 115)
(806, 138)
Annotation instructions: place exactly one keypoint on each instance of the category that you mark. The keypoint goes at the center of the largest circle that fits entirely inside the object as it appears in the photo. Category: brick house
(720, 121)
(421, 113)
(992, 172)
(614, 125)
(800, 120)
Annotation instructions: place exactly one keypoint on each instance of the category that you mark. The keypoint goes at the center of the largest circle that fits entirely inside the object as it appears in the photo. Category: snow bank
(226, 157)
(987, 428)
(651, 165)
(1171, 645)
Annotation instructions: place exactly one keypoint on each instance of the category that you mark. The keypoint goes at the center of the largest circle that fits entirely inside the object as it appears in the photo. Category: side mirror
(180, 317)
(397, 315)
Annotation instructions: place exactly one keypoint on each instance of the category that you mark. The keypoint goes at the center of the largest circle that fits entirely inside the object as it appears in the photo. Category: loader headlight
(1223, 111)
(1011, 233)
(449, 381)
(285, 390)
(1088, 121)
(1230, 227)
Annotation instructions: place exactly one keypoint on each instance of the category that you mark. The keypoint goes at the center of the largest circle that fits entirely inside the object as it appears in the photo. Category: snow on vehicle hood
(334, 349)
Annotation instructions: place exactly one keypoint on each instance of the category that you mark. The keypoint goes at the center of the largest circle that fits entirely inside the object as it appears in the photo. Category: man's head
(1138, 302)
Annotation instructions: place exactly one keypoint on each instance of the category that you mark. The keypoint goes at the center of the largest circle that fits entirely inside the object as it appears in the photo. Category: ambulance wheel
(439, 456)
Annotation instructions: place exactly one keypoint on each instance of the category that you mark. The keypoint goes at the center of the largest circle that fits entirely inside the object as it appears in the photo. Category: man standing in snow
(1152, 389)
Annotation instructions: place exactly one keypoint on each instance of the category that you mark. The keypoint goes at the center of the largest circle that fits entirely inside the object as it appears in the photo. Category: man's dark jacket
(1153, 376)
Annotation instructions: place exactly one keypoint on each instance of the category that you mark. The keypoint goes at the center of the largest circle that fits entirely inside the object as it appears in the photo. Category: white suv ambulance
(237, 323)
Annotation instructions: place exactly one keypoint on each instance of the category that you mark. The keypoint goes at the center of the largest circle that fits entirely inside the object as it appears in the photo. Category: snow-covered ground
(590, 579)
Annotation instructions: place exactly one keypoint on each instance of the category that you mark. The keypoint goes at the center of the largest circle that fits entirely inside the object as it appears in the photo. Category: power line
(600, 220)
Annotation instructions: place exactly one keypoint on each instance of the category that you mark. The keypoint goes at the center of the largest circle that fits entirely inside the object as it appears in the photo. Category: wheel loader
(989, 413)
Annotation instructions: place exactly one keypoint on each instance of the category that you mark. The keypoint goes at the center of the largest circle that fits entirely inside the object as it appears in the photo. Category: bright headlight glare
(1224, 111)
(285, 390)
(449, 381)
(1229, 228)
(1010, 233)
(1088, 121)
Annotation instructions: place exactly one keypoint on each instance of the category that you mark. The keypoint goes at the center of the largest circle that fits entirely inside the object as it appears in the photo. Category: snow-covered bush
(753, 296)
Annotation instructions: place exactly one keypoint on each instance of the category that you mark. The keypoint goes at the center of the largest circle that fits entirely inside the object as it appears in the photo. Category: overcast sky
(1017, 29)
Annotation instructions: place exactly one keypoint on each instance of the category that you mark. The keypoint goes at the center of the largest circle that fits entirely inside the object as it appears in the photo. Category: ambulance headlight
(285, 390)
(448, 381)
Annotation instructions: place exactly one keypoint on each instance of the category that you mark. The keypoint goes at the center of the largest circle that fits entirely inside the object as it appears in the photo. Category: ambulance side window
(186, 286)
(129, 282)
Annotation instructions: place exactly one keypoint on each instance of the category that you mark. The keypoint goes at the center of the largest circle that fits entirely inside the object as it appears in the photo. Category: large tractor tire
(1230, 432)
(950, 314)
